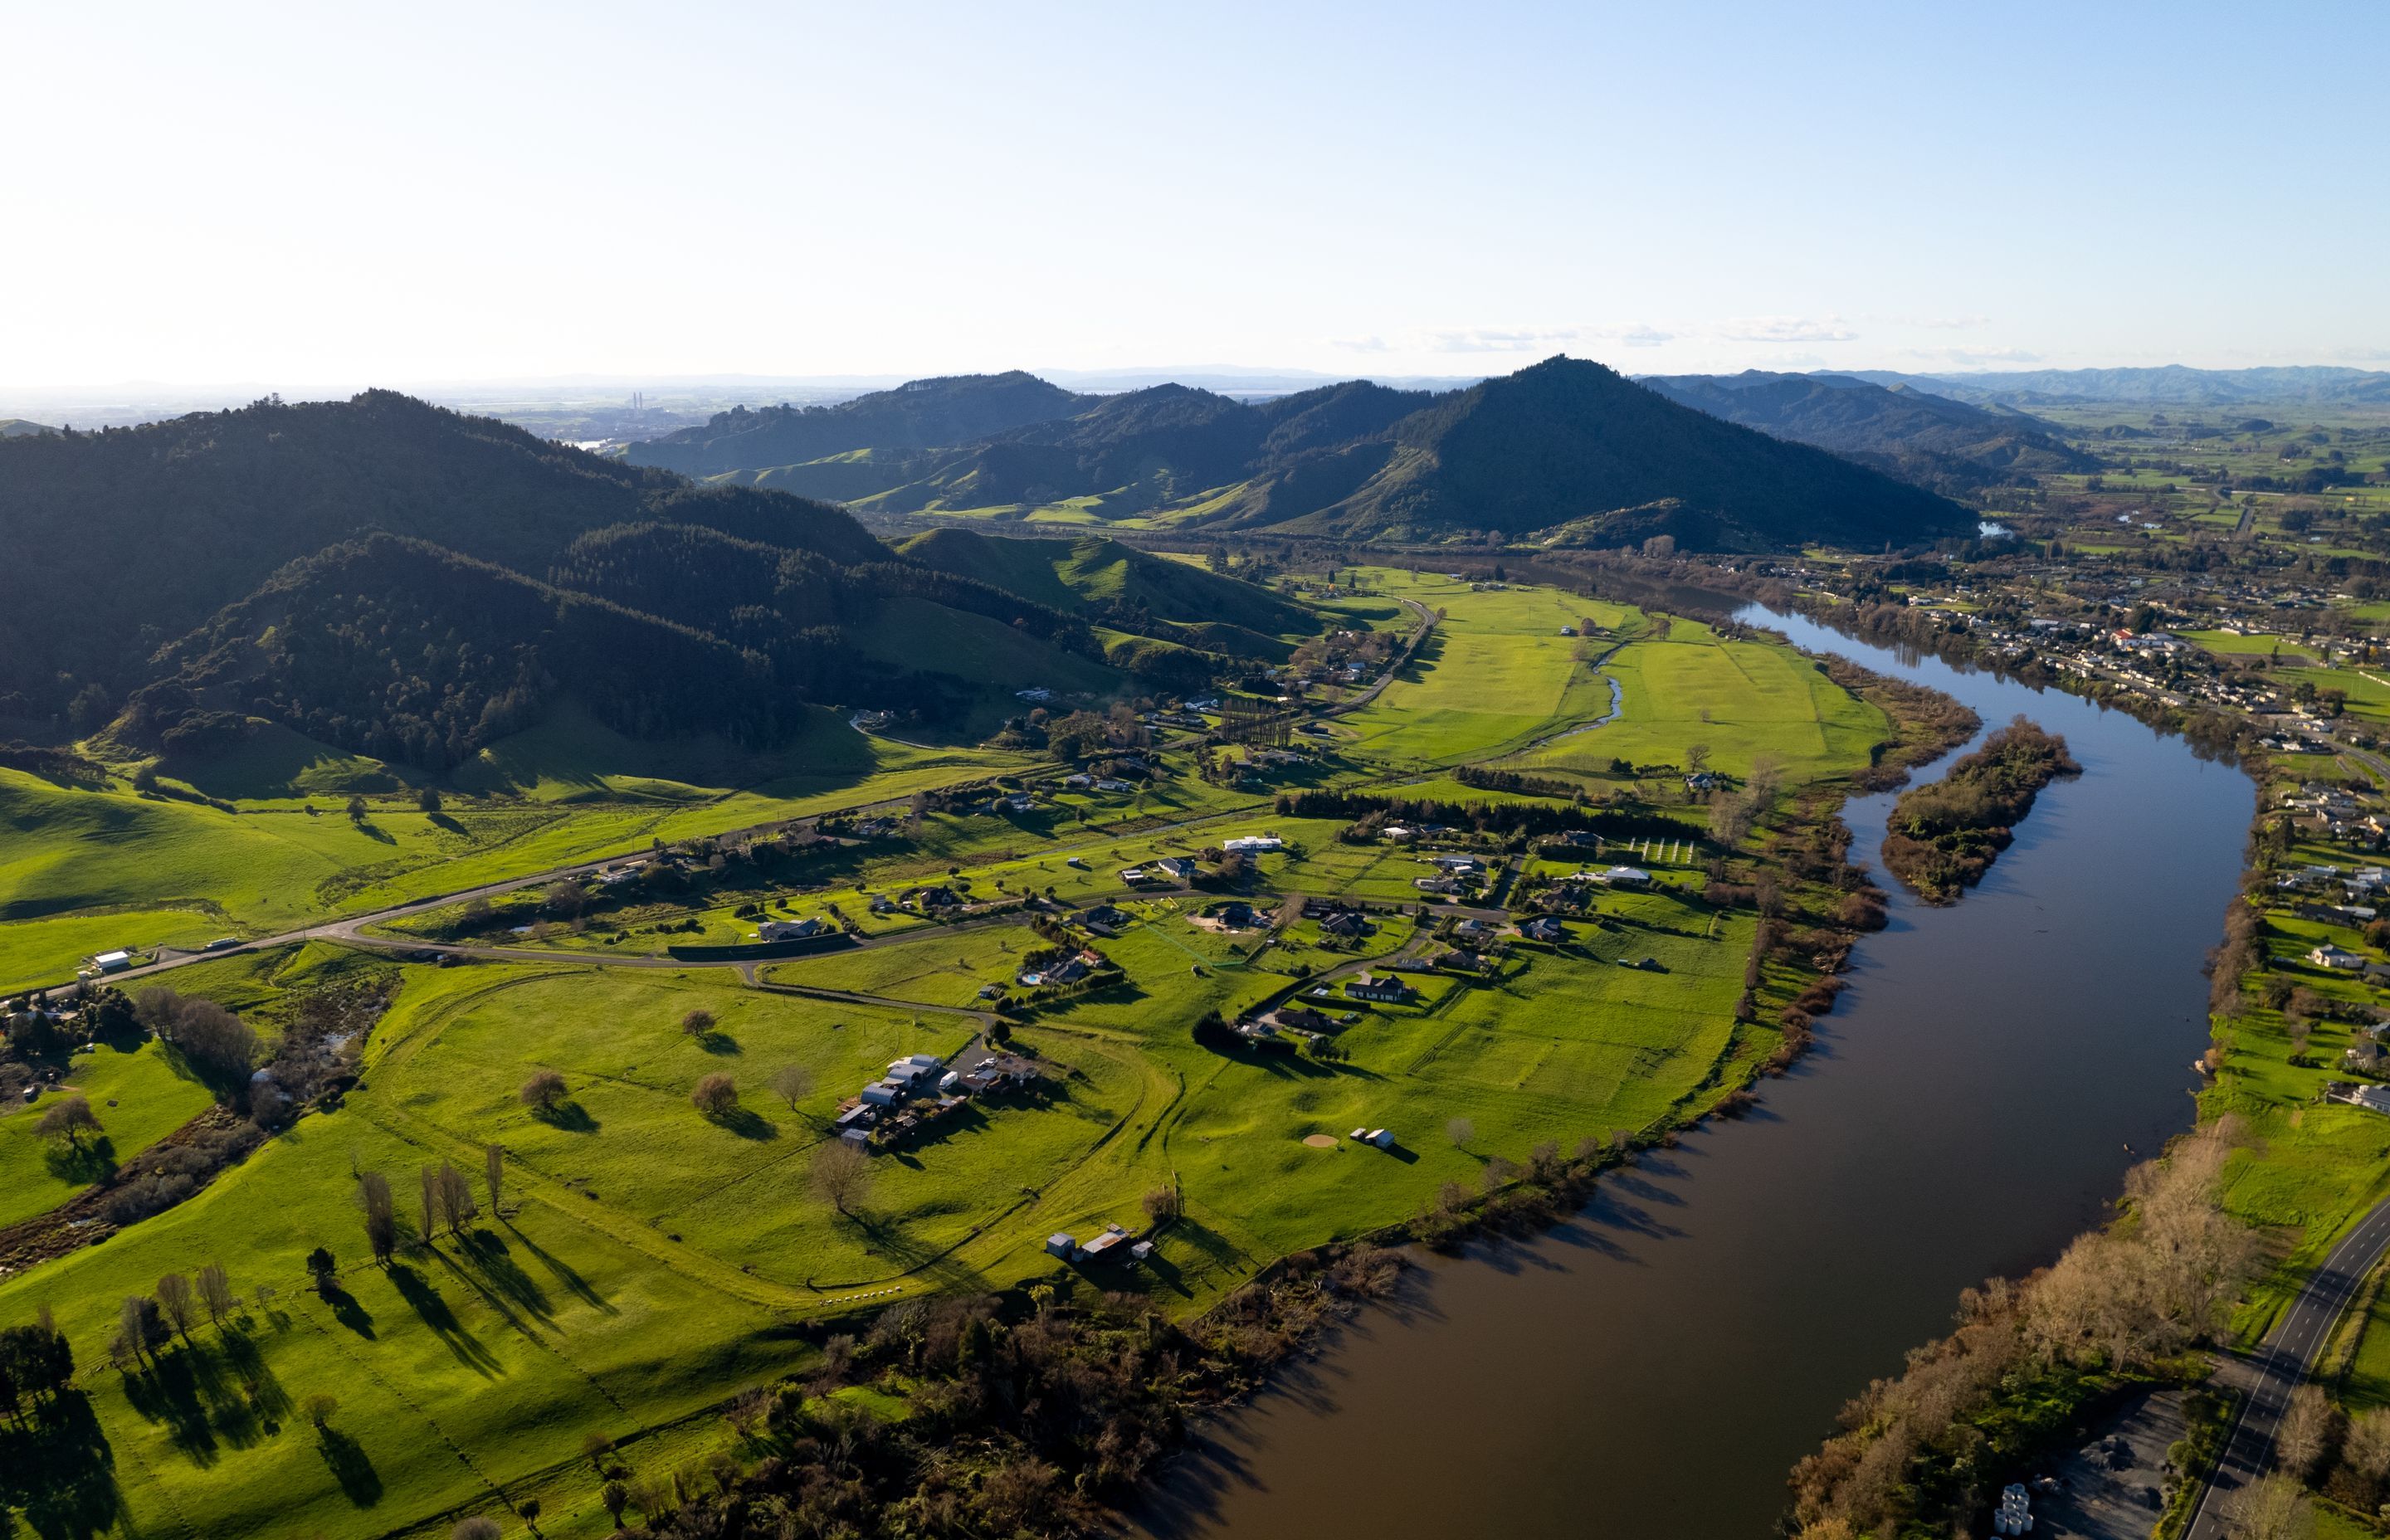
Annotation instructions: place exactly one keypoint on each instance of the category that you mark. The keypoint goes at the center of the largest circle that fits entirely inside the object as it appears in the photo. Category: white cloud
(1786, 329)
(1936, 323)
(1638, 336)
(1362, 344)
(1501, 338)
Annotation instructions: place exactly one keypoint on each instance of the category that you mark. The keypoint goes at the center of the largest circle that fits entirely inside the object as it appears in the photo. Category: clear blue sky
(314, 195)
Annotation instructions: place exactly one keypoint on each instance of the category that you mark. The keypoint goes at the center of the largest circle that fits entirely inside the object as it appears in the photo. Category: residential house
(2329, 956)
(793, 930)
(1385, 991)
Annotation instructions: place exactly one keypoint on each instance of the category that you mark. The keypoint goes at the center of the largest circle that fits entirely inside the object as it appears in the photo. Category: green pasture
(1744, 699)
(139, 1098)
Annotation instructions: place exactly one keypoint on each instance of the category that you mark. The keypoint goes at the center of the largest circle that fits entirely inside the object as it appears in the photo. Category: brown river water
(1655, 1367)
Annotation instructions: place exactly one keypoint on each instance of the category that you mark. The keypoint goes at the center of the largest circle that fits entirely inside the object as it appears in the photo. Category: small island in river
(1943, 837)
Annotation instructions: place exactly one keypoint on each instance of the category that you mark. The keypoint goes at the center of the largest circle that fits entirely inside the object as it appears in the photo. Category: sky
(312, 197)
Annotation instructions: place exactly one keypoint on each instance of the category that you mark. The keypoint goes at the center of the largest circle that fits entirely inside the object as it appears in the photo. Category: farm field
(1495, 674)
(644, 1260)
(1744, 699)
(86, 869)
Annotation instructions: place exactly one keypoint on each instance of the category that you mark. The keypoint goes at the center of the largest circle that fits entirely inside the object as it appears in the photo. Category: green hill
(1566, 450)
(1572, 446)
(1110, 580)
(922, 414)
(19, 428)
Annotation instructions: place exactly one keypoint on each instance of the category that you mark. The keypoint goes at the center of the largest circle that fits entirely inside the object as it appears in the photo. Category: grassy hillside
(90, 870)
(1094, 573)
(140, 1096)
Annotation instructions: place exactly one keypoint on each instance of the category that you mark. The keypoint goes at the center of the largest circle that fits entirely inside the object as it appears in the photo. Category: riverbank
(2009, 1050)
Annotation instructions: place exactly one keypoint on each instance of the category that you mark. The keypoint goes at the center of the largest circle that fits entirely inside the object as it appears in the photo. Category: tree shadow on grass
(168, 1394)
(564, 1274)
(263, 1402)
(490, 1253)
(82, 1164)
(57, 1470)
(345, 1457)
(720, 1043)
(348, 1310)
(427, 1304)
(567, 1117)
(748, 1124)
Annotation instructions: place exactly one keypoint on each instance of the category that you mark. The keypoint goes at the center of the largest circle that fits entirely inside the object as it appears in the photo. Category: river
(1655, 1367)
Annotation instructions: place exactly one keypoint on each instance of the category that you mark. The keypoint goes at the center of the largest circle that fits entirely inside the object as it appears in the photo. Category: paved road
(2279, 1365)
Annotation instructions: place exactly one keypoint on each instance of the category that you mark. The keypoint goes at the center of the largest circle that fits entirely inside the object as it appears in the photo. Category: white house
(112, 962)
(2329, 956)
(1253, 844)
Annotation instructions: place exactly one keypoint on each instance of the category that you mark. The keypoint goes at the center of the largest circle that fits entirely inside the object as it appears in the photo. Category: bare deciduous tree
(2309, 1429)
(1461, 1131)
(842, 1175)
(175, 1300)
(71, 1117)
(456, 1194)
(698, 1024)
(2269, 1508)
(792, 1084)
(215, 1292)
(543, 1091)
(381, 1214)
(715, 1096)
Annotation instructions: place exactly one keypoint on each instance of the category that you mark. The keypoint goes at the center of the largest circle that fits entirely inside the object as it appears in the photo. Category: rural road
(2279, 1365)
(349, 928)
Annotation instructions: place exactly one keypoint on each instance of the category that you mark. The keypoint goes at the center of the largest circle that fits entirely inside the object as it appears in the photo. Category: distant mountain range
(1566, 450)
(2170, 385)
(1902, 430)
(402, 581)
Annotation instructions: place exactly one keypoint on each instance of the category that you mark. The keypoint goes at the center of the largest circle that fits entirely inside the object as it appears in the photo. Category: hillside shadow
(345, 1457)
(435, 1313)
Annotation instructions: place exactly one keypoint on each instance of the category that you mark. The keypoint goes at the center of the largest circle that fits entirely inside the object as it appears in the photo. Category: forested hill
(132, 536)
(923, 414)
(403, 651)
(1570, 450)
(1929, 440)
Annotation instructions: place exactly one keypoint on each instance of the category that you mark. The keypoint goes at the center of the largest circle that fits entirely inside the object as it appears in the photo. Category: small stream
(1655, 1367)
